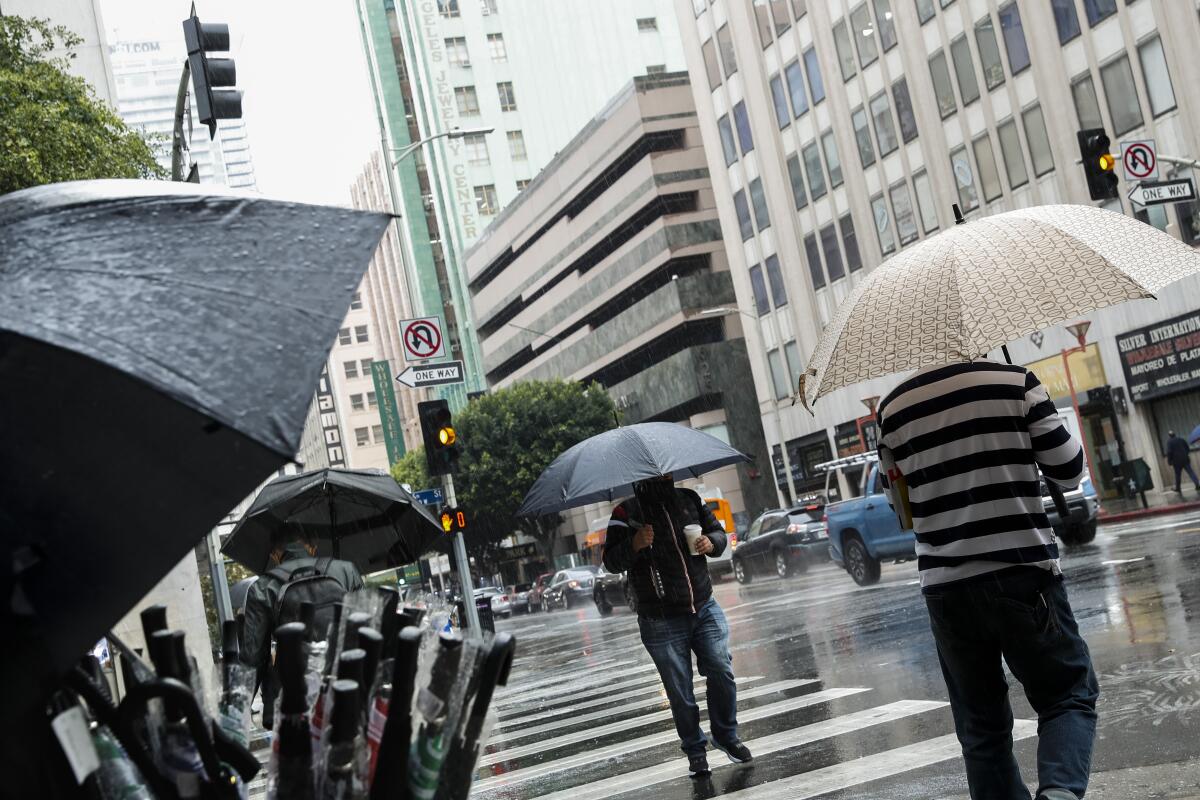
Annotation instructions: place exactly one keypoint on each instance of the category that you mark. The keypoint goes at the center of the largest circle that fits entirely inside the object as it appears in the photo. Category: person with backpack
(275, 598)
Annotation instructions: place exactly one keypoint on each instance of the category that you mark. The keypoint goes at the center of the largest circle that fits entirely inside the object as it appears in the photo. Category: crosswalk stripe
(764, 745)
(584, 687)
(579, 719)
(642, 742)
(545, 745)
(887, 764)
(563, 676)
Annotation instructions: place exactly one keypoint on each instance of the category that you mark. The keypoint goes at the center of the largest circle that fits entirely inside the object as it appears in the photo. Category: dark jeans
(1179, 470)
(1024, 617)
(670, 641)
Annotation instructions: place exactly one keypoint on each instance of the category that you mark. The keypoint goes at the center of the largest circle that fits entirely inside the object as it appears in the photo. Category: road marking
(1123, 561)
(598, 754)
(795, 737)
(629, 676)
(575, 673)
(546, 745)
(875, 767)
(1189, 530)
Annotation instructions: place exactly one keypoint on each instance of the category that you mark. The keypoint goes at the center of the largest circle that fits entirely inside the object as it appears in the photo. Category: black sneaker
(698, 766)
(738, 753)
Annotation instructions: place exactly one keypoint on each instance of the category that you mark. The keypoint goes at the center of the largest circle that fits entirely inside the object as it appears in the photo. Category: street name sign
(1139, 160)
(1156, 194)
(430, 497)
(441, 374)
(422, 338)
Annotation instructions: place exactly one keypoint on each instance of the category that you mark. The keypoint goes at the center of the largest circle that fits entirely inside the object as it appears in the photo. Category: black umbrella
(607, 465)
(159, 348)
(363, 516)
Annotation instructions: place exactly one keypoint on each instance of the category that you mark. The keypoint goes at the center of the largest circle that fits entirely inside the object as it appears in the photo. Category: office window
(864, 35)
(906, 220)
(356, 301)
(841, 41)
(1099, 10)
(725, 45)
(885, 129)
(742, 122)
(796, 178)
(508, 98)
(647, 24)
(832, 161)
(351, 368)
(850, 243)
(779, 13)
(711, 67)
(795, 82)
(941, 84)
(783, 387)
(883, 19)
(1087, 107)
(762, 303)
(833, 256)
(485, 199)
(360, 333)
(496, 47)
(1014, 159)
(1188, 215)
(356, 402)
(476, 148)
(883, 224)
(924, 192)
(488, 7)
(727, 143)
(812, 252)
(964, 69)
(377, 434)
(1119, 90)
(758, 201)
(812, 165)
(775, 279)
(862, 136)
(362, 436)
(794, 364)
(989, 52)
(925, 10)
(964, 177)
(449, 8)
(799, 8)
(816, 86)
(1152, 215)
(783, 114)
(762, 15)
(365, 366)
(989, 175)
(344, 336)
(946, 3)
(1039, 141)
(522, 183)
(1156, 76)
(743, 214)
(698, 6)
(516, 146)
(1014, 37)
(456, 52)
(468, 101)
(904, 109)
(1065, 19)
(372, 400)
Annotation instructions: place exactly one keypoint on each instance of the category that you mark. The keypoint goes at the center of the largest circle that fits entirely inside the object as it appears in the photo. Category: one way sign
(1154, 194)
(441, 374)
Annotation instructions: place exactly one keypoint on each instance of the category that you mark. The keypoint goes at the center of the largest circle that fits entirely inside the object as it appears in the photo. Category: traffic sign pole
(464, 563)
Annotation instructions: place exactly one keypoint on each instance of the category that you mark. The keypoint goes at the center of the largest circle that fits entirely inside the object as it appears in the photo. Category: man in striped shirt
(963, 445)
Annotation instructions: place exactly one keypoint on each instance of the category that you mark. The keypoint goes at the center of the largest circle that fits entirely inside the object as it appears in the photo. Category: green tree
(52, 126)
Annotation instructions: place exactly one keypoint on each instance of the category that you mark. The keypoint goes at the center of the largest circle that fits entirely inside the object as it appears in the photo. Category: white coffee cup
(692, 533)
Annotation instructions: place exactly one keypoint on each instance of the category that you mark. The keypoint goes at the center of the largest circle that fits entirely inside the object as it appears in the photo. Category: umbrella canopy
(363, 516)
(979, 285)
(159, 348)
(607, 465)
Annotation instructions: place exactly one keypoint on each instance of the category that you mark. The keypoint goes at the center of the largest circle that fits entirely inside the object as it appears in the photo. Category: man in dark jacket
(677, 614)
(1179, 456)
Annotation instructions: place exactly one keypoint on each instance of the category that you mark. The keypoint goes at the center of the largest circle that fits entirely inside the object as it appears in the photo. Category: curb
(1122, 516)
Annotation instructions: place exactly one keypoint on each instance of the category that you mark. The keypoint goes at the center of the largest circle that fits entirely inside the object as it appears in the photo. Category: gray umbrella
(159, 348)
(607, 465)
(363, 516)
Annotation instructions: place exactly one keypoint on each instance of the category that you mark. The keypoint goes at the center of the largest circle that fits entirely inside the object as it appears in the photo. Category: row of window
(476, 148)
(897, 226)
(865, 33)
(360, 331)
(1120, 90)
(367, 436)
(985, 178)
(450, 8)
(1066, 18)
(352, 367)
(880, 110)
(458, 56)
(783, 382)
(989, 57)
(773, 18)
(728, 66)
(468, 99)
(357, 403)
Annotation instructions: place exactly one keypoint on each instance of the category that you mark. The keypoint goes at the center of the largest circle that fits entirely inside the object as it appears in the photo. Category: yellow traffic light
(1107, 162)
(447, 436)
(447, 521)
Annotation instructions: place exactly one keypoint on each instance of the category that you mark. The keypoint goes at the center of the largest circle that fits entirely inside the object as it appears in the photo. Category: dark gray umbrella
(606, 466)
(238, 592)
(362, 516)
(159, 348)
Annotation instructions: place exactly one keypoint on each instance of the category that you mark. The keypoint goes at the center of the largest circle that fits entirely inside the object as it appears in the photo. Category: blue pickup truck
(864, 531)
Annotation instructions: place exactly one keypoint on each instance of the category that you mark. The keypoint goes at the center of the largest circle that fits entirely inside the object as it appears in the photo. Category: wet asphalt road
(840, 694)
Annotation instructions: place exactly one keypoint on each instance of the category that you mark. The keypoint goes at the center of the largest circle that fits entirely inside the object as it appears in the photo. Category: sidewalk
(1160, 502)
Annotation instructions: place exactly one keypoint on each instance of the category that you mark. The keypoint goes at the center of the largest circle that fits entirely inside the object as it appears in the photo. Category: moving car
(783, 541)
(612, 589)
(501, 605)
(569, 587)
(518, 595)
(533, 601)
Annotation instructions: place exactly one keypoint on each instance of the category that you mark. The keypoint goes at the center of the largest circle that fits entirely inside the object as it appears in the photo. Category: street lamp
(1079, 331)
(456, 133)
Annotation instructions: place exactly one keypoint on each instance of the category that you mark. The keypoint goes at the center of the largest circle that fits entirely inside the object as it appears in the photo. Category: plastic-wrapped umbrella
(159, 347)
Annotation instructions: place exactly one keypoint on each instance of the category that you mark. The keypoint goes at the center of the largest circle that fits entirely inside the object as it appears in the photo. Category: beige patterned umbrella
(982, 284)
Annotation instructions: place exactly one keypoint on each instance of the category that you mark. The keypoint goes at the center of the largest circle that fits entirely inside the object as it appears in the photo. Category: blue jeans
(670, 641)
(1024, 617)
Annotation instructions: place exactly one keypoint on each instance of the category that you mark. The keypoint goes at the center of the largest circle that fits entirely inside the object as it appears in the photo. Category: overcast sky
(307, 98)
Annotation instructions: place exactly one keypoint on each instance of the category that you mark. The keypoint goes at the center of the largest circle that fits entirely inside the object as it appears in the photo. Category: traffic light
(437, 431)
(210, 74)
(1098, 163)
(454, 520)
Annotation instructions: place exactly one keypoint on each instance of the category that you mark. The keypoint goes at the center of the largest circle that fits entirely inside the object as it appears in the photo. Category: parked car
(518, 596)
(501, 605)
(569, 587)
(783, 541)
(533, 601)
(1084, 507)
(612, 589)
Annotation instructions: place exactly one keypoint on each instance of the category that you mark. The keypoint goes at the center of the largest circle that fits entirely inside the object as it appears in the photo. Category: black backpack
(308, 584)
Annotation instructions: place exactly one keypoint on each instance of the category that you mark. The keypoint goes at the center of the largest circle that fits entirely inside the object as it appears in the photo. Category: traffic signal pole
(464, 563)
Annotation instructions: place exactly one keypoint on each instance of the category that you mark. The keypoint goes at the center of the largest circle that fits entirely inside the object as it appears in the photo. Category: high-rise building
(841, 132)
(533, 73)
(83, 18)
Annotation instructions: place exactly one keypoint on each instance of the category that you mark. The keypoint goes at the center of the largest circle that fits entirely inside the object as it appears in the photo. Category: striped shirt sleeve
(1058, 453)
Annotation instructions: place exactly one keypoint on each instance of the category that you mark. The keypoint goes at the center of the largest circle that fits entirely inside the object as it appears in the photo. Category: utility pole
(463, 562)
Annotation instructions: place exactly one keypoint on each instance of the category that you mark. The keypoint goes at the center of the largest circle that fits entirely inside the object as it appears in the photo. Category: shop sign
(1087, 372)
(518, 551)
(847, 439)
(1162, 359)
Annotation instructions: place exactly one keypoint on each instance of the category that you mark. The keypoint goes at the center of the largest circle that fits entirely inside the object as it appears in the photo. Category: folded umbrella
(363, 516)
